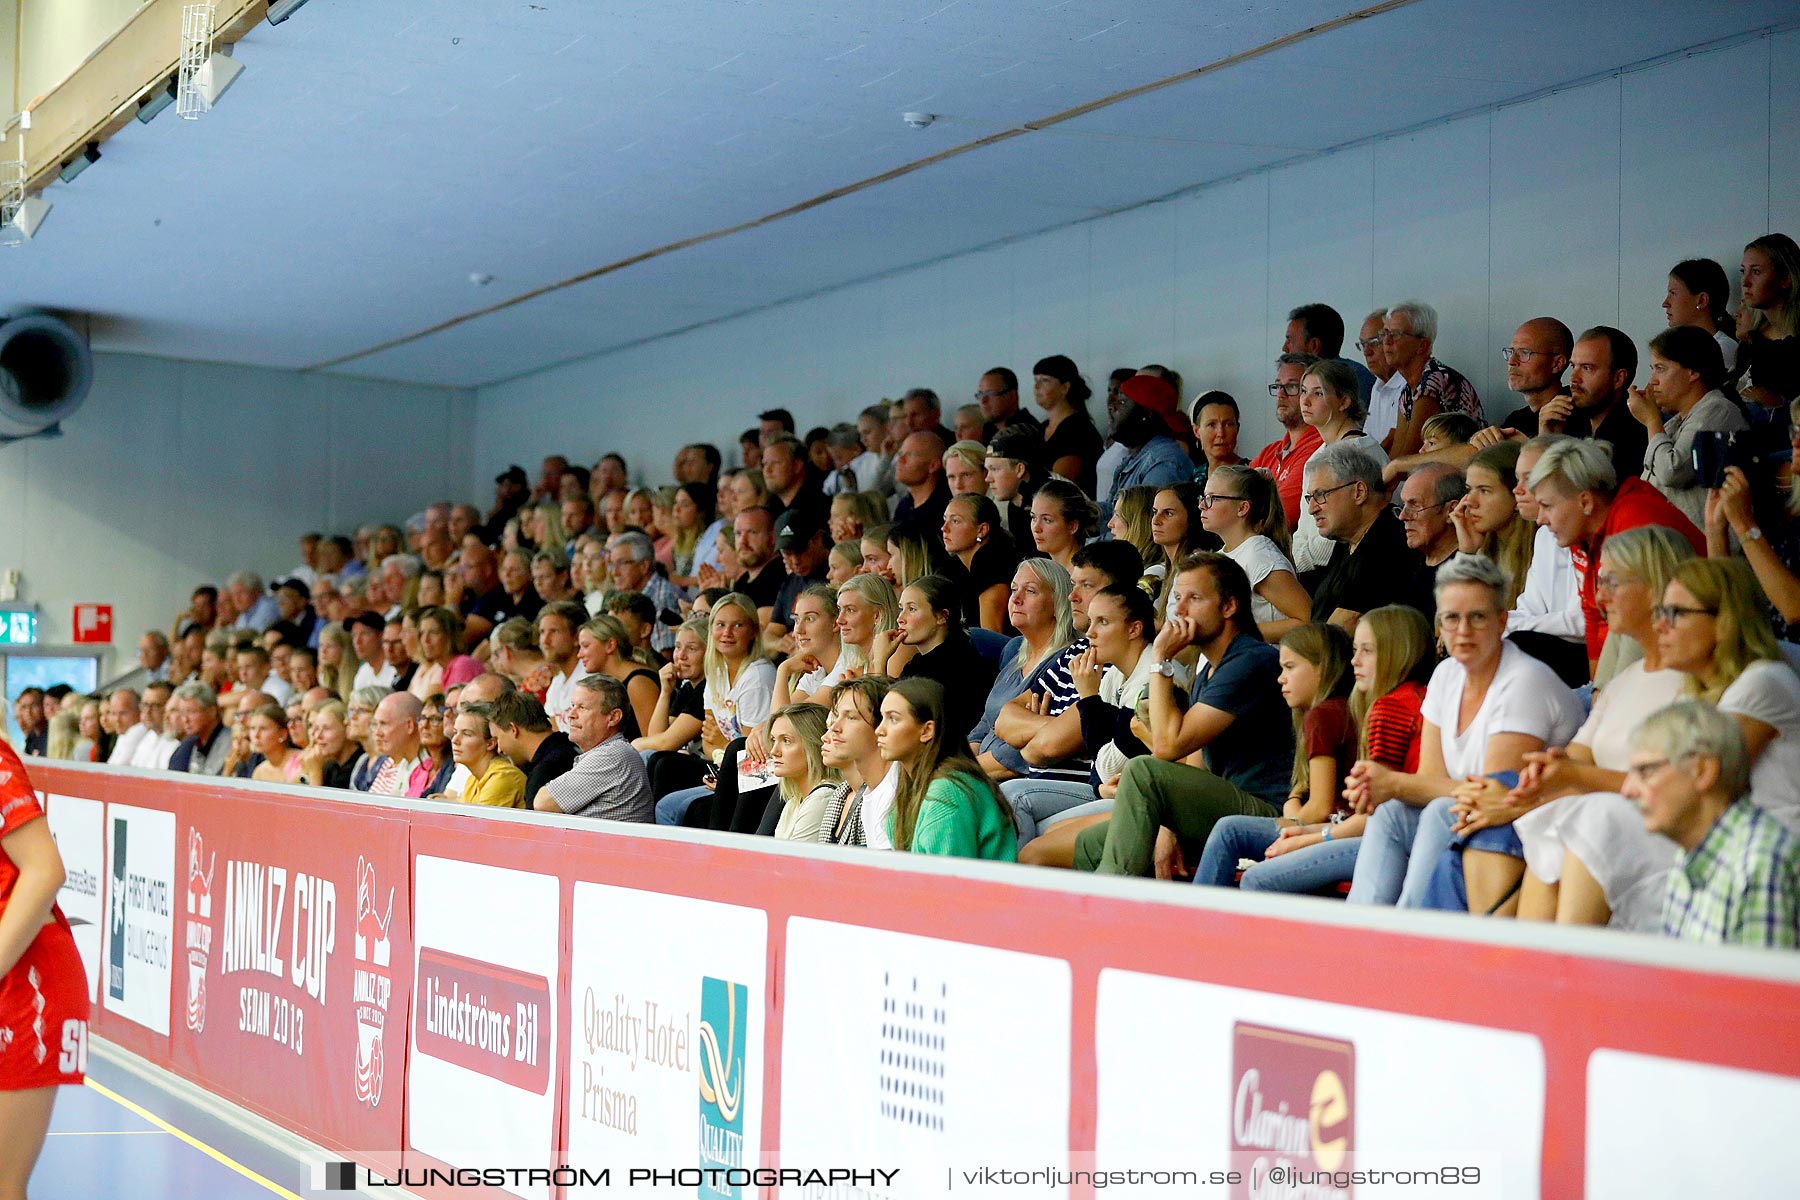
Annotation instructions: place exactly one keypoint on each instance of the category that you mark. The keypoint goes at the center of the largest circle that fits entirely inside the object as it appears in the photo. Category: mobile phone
(1715, 451)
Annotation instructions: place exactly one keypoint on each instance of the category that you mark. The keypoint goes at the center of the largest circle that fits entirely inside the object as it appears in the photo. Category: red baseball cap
(1157, 395)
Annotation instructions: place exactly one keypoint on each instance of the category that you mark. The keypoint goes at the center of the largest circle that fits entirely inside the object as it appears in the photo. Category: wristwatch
(1168, 668)
(1753, 534)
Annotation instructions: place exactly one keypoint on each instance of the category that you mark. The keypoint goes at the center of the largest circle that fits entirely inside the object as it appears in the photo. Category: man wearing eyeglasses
(1408, 335)
(1285, 458)
(1736, 880)
(1426, 499)
(1371, 565)
(998, 394)
(1536, 360)
(1384, 397)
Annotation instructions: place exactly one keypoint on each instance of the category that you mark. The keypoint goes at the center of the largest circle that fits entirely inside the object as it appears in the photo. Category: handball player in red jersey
(43, 987)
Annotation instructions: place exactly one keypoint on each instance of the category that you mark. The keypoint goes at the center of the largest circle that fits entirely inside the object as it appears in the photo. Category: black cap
(1018, 445)
(795, 527)
(292, 585)
(513, 474)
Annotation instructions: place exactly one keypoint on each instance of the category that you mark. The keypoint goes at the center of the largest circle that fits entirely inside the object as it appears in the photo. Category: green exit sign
(18, 629)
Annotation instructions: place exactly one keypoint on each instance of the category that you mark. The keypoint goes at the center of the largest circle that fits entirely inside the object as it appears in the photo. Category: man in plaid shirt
(1737, 881)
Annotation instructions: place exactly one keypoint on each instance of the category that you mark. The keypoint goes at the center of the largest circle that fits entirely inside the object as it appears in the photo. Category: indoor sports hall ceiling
(377, 155)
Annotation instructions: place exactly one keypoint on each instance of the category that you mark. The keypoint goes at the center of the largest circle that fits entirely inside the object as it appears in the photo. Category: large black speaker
(46, 370)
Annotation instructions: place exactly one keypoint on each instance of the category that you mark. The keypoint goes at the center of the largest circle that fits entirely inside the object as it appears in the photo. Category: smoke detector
(918, 120)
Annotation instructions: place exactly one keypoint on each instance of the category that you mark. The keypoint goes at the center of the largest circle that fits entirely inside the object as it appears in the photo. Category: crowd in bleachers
(1540, 667)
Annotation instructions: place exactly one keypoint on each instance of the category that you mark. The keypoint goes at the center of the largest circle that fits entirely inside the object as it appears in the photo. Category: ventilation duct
(45, 372)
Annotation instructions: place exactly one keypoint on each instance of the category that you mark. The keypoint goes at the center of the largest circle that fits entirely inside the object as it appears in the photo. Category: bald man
(1536, 360)
(395, 727)
(919, 470)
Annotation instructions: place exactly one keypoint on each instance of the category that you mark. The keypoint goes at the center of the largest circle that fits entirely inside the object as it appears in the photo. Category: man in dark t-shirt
(1371, 564)
(763, 573)
(522, 731)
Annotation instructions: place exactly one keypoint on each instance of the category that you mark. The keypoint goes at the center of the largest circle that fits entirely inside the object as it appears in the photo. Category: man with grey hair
(207, 742)
(153, 655)
(1581, 501)
(1284, 459)
(1424, 505)
(1384, 397)
(397, 570)
(1371, 565)
(631, 566)
(608, 779)
(1737, 879)
(256, 608)
(1408, 334)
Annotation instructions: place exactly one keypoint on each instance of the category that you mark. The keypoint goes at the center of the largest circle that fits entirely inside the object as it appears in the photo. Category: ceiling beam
(100, 97)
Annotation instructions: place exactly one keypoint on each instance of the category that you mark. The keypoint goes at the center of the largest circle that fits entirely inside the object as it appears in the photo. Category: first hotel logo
(1293, 1103)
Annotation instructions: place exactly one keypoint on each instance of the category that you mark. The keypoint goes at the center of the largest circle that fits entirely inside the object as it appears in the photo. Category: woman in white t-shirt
(1331, 402)
(817, 663)
(1713, 626)
(1589, 860)
(1488, 705)
(1242, 508)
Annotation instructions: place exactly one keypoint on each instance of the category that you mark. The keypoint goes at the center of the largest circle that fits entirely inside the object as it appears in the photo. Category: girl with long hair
(867, 606)
(269, 738)
(331, 757)
(1063, 518)
(1316, 680)
(1242, 508)
(603, 647)
(817, 663)
(928, 641)
(914, 550)
(1487, 519)
(1072, 445)
(43, 986)
(944, 803)
(1130, 522)
(974, 537)
(1698, 295)
(337, 660)
(806, 783)
(676, 721)
(876, 558)
(1768, 324)
(691, 515)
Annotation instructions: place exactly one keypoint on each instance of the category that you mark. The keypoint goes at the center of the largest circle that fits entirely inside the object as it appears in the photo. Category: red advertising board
(293, 970)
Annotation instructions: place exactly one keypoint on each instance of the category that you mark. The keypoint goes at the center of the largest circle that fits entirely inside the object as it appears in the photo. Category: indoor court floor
(130, 1134)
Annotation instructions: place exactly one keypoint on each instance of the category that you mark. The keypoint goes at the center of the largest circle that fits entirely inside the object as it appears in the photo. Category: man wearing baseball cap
(1014, 466)
(804, 542)
(1143, 427)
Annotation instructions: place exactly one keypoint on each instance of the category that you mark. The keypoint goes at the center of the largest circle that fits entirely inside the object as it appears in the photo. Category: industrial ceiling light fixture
(89, 155)
(281, 10)
(205, 72)
(156, 101)
(29, 215)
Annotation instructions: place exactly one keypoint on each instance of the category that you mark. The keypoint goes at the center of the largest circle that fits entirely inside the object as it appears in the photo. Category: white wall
(1572, 205)
(174, 474)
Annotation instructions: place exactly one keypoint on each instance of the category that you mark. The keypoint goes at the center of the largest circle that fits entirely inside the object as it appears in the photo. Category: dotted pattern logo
(914, 1018)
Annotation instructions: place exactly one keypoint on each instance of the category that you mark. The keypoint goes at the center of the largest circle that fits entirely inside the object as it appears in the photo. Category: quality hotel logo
(1293, 1102)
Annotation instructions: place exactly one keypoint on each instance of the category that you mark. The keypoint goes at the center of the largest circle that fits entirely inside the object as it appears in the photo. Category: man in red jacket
(1583, 503)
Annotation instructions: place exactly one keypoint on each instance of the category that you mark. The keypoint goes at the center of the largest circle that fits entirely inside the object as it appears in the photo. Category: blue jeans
(1035, 800)
(673, 807)
(1312, 869)
(1395, 838)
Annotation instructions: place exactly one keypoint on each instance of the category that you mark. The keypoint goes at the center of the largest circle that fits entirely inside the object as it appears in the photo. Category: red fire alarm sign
(93, 622)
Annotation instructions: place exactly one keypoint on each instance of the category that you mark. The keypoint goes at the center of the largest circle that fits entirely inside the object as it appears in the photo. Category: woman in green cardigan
(944, 803)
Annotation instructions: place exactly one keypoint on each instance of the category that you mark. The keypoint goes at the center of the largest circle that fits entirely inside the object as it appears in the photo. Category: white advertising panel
(1660, 1127)
(1295, 1094)
(140, 916)
(79, 827)
(922, 1055)
(666, 1065)
(483, 1030)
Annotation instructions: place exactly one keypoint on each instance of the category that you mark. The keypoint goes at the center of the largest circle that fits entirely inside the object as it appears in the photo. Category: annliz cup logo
(724, 1011)
(115, 966)
(374, 981)
(199, 927)
(1293, 1103)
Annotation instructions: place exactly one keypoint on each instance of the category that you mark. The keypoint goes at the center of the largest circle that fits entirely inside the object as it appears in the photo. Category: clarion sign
(1293, 1105)
(484, 1017)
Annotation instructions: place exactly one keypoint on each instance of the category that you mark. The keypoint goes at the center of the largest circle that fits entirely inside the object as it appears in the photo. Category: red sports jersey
(43, 999)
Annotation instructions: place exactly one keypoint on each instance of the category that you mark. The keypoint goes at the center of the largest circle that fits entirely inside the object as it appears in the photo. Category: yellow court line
(193, 1141)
